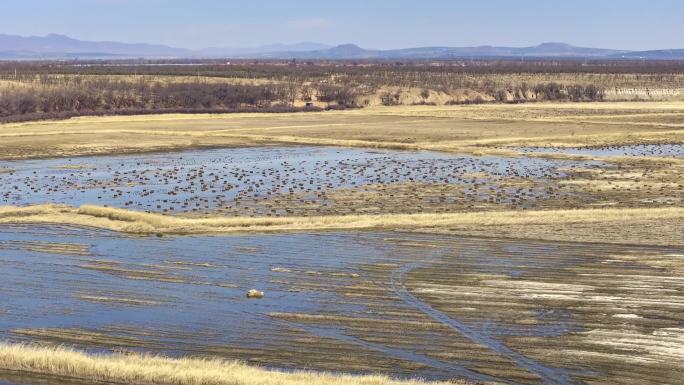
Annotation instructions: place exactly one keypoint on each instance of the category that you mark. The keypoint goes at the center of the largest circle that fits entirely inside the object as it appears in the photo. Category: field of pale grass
(525, 223)
(480, 129)
(151, 370)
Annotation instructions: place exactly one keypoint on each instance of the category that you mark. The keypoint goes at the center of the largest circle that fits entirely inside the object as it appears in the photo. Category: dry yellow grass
(147, 223)
(150, 370)
(469, 129)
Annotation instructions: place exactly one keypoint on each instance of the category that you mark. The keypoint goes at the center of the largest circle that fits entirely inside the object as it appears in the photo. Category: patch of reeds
(130, 221)
(155, 370)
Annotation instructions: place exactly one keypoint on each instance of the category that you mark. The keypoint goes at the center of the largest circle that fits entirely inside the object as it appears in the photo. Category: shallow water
(15, 378)
(660, 150)
(201, 181)
(408, 305)
(187, 295)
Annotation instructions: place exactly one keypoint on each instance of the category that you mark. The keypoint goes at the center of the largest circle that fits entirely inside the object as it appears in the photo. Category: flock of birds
(648, 150)
(199, 182)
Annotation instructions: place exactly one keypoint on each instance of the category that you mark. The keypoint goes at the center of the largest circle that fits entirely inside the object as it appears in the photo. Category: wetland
(456, 254)
(470, 308)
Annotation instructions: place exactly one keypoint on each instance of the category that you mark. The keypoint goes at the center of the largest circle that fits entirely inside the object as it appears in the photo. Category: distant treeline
(548, 92)
(275, 69)
(366, 77)
(44, 89)
(102, 96)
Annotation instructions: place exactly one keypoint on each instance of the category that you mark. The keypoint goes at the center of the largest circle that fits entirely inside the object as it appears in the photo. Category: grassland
(659, 225)
(150, 370)
(466, 129)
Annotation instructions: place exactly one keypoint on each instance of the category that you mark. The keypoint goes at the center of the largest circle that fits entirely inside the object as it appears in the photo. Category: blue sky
(625, 24)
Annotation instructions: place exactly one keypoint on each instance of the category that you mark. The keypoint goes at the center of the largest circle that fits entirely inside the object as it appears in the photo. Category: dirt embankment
(650, 94)
(417, 96)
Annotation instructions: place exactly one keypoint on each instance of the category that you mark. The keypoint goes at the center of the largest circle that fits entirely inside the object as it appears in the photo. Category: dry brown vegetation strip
(465, 129)
(145, 223)
(144, 370)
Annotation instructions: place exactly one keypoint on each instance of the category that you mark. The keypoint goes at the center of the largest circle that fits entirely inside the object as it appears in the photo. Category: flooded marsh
(465, 308)
(675, 150)
(556, 263)
(303, 181)
(277, 181)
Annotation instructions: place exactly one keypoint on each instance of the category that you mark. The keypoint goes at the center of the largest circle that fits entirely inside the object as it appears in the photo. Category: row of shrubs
(101, 97)
(519, 94)
(279, 108)
(550, 92)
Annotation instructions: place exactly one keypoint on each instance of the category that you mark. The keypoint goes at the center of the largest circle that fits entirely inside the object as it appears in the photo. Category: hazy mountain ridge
(63, 47)
(262, 50)
(351, 51)
(56, 46)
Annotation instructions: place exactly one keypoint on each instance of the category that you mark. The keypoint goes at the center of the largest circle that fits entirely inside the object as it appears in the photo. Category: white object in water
(255, 294)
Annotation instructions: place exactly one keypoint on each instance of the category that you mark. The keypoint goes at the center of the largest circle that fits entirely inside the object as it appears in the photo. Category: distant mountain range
(261, 51)
(63, 47)
(351, 51)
